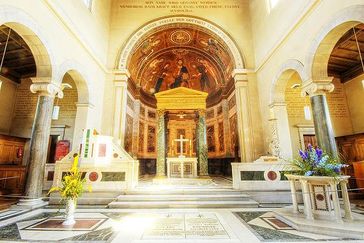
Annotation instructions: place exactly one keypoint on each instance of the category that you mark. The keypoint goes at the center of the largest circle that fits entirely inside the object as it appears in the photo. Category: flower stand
(320, 196)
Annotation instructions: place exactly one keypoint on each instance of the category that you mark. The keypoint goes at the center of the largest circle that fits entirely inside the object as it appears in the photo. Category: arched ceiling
(180, 54)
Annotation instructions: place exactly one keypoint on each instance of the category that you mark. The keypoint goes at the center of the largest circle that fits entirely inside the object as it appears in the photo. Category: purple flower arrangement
(315, 162)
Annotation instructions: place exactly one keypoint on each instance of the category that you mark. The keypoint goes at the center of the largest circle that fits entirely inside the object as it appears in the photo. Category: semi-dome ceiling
(180, 55)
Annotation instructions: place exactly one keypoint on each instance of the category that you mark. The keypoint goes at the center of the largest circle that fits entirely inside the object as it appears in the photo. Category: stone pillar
(135, 145)
(244, 117)
(39, 140)
(281, 137)
(81, 122)
(201, 137)
(226, 122)
(321, 115)
(161, 143)
(120, 99)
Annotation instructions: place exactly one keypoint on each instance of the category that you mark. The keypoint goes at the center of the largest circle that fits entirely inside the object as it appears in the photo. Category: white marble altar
(182, 167)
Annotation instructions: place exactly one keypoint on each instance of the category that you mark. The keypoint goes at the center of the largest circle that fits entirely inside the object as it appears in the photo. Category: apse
(180, 55)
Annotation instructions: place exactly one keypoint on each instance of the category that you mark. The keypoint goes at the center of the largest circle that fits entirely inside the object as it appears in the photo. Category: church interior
(181, 121)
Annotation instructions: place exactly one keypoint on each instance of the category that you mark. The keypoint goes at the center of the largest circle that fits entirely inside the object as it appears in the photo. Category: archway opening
(182, 55)
(24, 56)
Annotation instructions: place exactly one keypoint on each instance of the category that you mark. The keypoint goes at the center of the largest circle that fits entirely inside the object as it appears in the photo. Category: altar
(181, 167)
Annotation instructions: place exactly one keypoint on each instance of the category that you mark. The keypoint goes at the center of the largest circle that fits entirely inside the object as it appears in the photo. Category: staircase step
(182, 192)
(182, 197)
(185, 204)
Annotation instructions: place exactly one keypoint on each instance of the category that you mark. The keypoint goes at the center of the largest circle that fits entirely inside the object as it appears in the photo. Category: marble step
(184, 197)
(185, 204)
(198, 191)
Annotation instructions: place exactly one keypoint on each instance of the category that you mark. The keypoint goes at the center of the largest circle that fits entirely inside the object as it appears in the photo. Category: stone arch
(29, 30)
(281, 141)
(285, 72)
(318, 55)
(79, 76)
(133, 39)
(81, 79)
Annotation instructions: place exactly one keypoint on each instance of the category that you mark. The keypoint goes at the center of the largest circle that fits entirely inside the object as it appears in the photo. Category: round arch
(153, 25)
(285, 72)
(79, 76)
(24, 25)
(318, 55)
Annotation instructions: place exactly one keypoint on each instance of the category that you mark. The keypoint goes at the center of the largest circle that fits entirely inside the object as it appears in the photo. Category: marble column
(40, 138)
(321, 115)
(244, 117)
(120, 99)
(226, 123)
(201, 137)
(161, 143)
(281, 137)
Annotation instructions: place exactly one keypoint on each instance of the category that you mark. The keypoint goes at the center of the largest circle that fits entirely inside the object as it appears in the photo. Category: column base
(30, 204)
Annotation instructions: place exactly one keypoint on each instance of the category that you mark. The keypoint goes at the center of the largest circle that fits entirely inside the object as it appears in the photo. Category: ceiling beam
(345, 59)
(12, 37)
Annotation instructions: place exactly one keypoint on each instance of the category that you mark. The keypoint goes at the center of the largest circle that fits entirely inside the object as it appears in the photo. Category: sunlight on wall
(88, 4)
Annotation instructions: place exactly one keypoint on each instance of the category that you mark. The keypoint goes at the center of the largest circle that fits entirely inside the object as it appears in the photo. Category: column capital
(161, 112)
(87, 105)
(240, 77)
(277, 103)
(121, 77)
(45, 87)
(201, 112)
(317, 87)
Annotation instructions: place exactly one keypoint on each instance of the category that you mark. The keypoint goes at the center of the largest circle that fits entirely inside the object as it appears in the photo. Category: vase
(70, 212)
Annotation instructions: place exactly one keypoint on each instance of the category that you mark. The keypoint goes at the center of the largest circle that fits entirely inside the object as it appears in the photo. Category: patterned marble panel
(221, 137)
(151, 115)
(141, 138)
(142, 110)
(128, 133)
(130, 103)
(151, 139)
(113, 176)
(232, 102)
(211, 144)
(234, 134)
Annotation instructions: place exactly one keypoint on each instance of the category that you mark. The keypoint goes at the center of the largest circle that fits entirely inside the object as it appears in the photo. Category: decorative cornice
(317, 87)
(45, 87)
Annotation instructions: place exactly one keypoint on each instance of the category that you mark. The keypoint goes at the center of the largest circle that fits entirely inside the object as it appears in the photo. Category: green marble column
(323, 126)
(202, 144)
(161, 144)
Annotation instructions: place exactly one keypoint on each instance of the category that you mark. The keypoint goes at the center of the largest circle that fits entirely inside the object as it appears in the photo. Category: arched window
(88, 3)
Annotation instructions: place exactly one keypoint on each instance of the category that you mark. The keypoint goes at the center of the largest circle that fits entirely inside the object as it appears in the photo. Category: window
(271, 4)
(88, 3)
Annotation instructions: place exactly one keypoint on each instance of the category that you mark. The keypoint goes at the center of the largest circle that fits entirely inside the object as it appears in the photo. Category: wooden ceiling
(18, 61)
(344, 61)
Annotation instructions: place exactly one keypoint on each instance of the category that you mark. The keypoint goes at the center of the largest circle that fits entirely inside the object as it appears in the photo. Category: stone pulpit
(181, 133)
(107, 167)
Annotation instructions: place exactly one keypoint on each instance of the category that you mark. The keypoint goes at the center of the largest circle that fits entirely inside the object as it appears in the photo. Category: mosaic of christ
(180, 57)
(172, 70)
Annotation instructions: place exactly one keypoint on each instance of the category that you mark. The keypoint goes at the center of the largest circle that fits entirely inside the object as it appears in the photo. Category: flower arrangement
(72, 183)
(315, 162)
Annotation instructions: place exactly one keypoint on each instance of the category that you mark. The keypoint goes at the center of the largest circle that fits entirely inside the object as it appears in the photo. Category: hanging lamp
(3, 57)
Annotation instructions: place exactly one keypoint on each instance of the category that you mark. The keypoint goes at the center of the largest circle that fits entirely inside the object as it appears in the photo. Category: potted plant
(71, 189)
(319, 175)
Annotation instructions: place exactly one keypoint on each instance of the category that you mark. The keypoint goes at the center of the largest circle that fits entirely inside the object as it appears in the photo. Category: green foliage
(72, 183)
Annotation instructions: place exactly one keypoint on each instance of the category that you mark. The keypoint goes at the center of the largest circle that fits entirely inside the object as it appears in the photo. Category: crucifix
(181, 140)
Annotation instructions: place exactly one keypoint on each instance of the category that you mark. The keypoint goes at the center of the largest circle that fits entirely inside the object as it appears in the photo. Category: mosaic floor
(151, 226)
